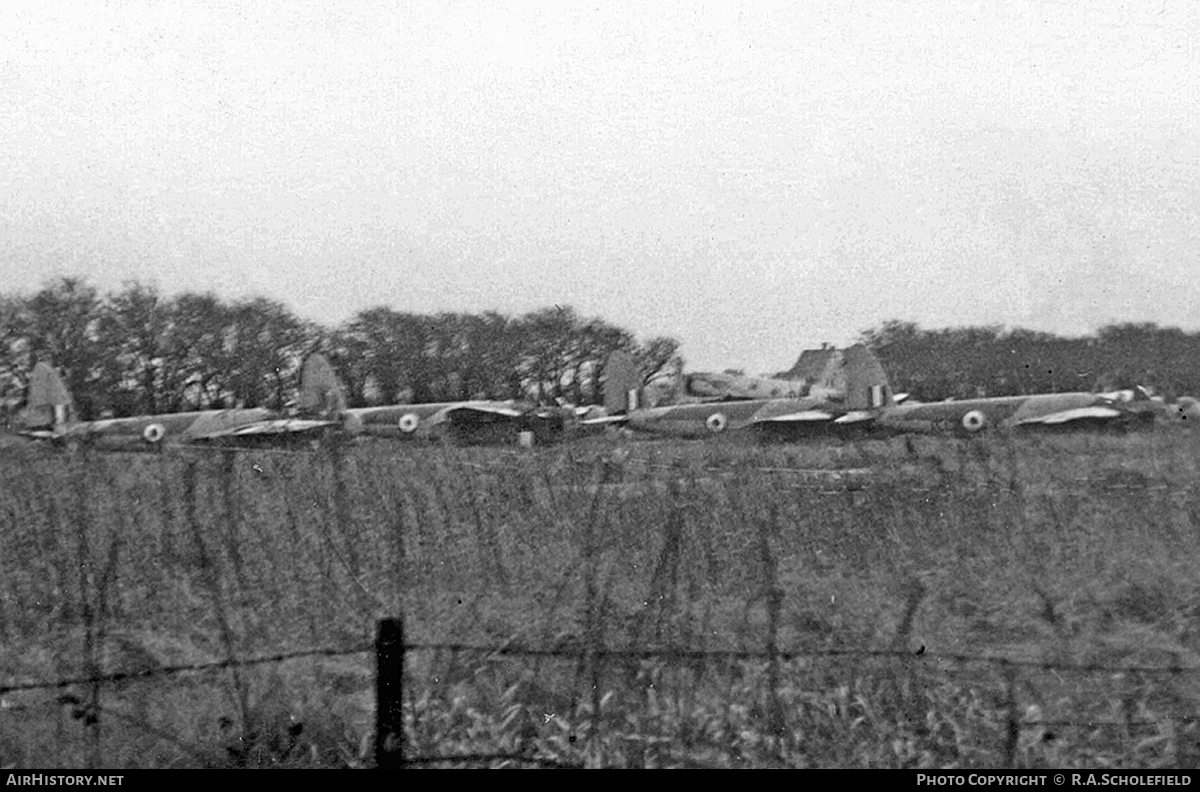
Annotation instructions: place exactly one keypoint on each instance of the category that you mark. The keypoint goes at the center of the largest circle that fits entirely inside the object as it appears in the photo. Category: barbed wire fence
(393, 708)
(605, 703)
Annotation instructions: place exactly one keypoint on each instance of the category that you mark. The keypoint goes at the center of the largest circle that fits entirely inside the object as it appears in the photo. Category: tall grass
(1070, 550)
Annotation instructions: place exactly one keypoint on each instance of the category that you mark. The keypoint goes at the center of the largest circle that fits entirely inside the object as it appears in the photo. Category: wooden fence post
(1012, 734)
(389, 690)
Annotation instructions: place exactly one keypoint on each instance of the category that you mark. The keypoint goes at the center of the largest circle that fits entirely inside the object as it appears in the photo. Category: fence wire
(632, 678)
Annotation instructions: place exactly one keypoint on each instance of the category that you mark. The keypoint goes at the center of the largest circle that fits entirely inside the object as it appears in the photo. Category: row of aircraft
(829, 392)
(49, 414)
(853, 396)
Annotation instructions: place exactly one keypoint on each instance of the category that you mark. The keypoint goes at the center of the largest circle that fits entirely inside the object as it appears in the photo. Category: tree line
(970, 362)
(136, 351)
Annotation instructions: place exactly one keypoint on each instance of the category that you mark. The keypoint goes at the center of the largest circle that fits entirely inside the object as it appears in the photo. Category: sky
(752, 178)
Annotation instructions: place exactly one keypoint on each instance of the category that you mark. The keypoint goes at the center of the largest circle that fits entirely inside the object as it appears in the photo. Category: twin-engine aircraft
(49, 414)
(852, 393)
(1043, 410)
(322, 395)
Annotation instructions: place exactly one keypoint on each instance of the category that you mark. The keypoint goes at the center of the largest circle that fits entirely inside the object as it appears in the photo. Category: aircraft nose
(1187, 409)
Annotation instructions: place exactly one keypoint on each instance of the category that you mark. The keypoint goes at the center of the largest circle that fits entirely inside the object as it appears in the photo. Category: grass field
(824, 604)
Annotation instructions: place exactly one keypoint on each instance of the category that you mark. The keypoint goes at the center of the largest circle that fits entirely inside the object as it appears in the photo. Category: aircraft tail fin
(321, 392)
(680, 384)
(622, 383)
(867, 386)
(48, 403)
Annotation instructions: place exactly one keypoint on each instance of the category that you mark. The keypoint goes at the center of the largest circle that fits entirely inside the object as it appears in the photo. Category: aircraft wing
(801, 416)
(1093, 412)
(268, 427)
(40, 434)
(604, 419)
(856, 416)
(818, 416)
(470, 415)
(492, 408)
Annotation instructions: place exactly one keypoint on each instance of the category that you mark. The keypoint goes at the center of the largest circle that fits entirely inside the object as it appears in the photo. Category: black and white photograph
(521, 384)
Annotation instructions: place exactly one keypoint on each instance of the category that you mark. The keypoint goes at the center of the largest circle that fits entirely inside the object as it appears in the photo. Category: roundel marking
(716, 422)
(154, 433)
(974, 420)
(409, 423)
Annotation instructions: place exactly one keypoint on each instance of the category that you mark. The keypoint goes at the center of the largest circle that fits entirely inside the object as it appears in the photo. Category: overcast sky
(753, 178)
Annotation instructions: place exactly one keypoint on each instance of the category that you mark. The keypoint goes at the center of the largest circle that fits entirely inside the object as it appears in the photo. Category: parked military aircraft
(49, 414)
(708, 385)
(852, 394)
(321, 393)
(1044, 410)
(701, 386)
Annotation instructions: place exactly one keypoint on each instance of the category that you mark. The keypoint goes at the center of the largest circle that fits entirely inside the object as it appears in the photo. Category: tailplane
(622, 383)
(49, 409)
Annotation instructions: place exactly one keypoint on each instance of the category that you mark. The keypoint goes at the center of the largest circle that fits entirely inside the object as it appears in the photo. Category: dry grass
(1071, 550)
